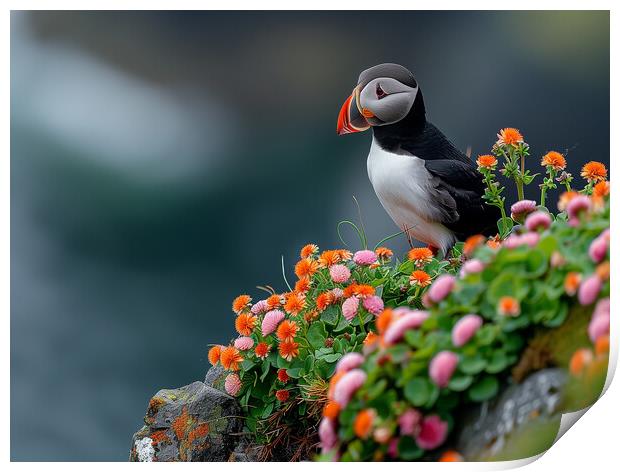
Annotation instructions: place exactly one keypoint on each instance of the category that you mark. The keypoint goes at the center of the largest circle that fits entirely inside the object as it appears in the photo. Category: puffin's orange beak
(350, 119)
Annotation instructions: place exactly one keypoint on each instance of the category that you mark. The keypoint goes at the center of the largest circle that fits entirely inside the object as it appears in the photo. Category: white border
(591, 445)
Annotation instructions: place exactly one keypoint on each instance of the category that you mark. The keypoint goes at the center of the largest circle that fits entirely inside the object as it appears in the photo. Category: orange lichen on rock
(181, 424)
(198, 432)
(159, 436)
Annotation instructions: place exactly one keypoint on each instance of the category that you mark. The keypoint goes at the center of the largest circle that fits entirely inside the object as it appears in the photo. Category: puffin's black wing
(457, 185)
(459, 181)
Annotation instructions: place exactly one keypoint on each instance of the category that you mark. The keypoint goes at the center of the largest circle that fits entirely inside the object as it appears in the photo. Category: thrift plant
(375, 358)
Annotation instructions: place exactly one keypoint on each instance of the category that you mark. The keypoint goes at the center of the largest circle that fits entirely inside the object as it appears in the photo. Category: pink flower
(327, 434)
(410, 320)
(365, 257)
(531, 239)
(393, 448)
(442, 367)
(349, 361)
(259, 307)
(512, 241)
(537, 221)
(373, 304)
(602, 307)
(522, 208)
(598, 249)
(348, 384)
(339, 273)
(433, 432)
(557, 259)
(349, 307)
(243, 343)
(337, 293)
(271, 321)
(575, 207)
(409, 422)
(589, 289)
(464, 329)
(441, 288)
(472, 266)
(232, 384)
(599, 325)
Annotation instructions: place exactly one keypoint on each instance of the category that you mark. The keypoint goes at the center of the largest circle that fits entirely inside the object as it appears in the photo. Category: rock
(488, 428)
(192, 423)
(215, 377)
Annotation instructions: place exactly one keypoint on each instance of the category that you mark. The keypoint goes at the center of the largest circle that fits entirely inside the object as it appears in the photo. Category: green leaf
(472, 364)
(484, 389)
(418, 391)
(330, 315)
(316, 335)
(331, 358)
(294, 373)
(408, 449)
(498, 362)
(458, 383)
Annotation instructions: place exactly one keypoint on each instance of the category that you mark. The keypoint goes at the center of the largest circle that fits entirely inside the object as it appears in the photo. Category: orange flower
(579, 361)
(287, 330)
(571, 283)
(509, 136)
(553, 159)
(230, 358)
(324, 300)
(306, 267)
(362, 290)
(262, 350)
(344, 254)
(601, 346)
(329, 258)
(294, 303)
(283, 376)
(273, 301)
(244, 324)
(282, 395)
(383, 253)
(370, 339)
(331, 410)
(420, 255)
(302, 285)
(214, 354)
(472, 243)
(311, 315)
(289, 350)
(600, 190)
(420, 278)
(308, 250)
(603, 270)
(362, 425)
(509, 306)
(486, 161)
(384, 320)
(241, 302)
(594, 171)
(451, 456)
(494, 242)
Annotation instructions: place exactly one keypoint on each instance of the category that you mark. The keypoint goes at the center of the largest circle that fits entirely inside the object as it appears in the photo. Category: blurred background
(162, 163)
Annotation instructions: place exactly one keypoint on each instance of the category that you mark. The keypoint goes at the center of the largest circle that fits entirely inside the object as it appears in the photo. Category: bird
(431, 189)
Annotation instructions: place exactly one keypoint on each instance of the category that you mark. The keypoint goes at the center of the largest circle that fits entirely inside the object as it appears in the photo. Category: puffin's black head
(385, 94)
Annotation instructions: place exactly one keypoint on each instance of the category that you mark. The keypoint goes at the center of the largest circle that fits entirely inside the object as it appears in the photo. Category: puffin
(431, 190)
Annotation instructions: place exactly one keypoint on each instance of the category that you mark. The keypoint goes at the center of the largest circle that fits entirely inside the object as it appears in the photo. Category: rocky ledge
(199, 422)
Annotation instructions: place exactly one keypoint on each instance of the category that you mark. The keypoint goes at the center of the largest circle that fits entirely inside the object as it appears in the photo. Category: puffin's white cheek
(394, 107)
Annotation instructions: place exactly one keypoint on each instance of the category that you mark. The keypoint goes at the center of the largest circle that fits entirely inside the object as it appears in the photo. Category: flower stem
(359, 316)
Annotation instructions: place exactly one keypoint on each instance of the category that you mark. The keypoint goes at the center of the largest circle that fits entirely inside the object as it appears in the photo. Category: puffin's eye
(380, 92)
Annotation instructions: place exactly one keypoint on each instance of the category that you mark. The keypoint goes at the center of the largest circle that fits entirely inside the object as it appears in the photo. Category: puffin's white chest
(402, 184)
